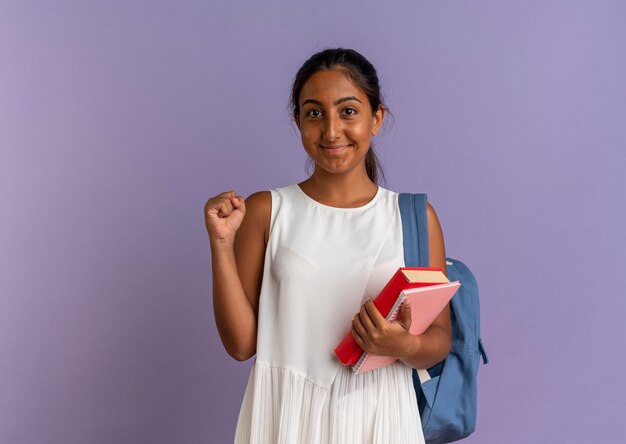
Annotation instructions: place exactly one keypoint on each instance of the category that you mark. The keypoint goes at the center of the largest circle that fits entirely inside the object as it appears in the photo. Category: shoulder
(431, 214)
(259, 204)
(435, 239)
(260, 201)
(434, 227)
(259, 211)
(430, 211)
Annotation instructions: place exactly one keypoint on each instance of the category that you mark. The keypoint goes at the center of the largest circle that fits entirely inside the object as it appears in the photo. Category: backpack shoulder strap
(414, 229)
(416, 251)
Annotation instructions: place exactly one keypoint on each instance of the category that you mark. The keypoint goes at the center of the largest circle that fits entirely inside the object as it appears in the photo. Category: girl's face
(336, 122)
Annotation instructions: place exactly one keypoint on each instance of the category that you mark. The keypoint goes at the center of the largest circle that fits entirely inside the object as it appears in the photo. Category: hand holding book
(428, 291)
(375, 334)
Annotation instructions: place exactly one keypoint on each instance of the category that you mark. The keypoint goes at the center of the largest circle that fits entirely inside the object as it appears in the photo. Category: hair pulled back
(361, 72)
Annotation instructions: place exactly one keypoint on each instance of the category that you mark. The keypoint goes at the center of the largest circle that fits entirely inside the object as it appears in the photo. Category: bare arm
(238, 243)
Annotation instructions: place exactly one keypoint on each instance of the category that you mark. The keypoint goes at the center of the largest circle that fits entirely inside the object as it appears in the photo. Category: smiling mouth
(334, 147)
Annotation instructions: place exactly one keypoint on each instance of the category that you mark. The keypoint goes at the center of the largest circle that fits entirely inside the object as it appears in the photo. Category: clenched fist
(223, 215)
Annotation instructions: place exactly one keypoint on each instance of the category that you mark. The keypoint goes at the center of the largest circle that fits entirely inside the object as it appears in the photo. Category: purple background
(119, 120)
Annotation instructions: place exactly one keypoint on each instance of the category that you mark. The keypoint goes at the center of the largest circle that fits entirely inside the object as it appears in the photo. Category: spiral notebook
(426, 304)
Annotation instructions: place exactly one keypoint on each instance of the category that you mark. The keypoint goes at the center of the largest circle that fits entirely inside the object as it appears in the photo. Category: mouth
(334, 148)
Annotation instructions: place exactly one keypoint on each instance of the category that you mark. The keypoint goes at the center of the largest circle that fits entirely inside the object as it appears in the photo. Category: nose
(332, 127)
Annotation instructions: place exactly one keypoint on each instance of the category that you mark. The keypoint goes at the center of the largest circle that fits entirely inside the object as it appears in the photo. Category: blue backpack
(446, 393)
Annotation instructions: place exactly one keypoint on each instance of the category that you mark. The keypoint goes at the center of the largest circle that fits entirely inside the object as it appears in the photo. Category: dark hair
(364, 76)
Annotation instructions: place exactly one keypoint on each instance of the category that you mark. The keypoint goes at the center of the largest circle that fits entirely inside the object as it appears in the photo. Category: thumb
(405, 315)
(238, 203)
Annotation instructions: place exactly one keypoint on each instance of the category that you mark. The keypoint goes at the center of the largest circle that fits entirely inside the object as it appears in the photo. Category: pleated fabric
(321, 264)
(377, 407)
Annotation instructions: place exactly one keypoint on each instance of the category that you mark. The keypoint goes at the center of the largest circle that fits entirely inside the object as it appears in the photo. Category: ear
(377, 119)
(296, 118)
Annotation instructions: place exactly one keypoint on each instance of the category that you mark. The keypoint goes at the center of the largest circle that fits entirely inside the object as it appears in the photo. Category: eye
(313, 113)
(349, 111)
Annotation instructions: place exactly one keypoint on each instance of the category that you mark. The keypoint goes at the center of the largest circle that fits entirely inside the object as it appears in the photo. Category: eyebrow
(337, 102)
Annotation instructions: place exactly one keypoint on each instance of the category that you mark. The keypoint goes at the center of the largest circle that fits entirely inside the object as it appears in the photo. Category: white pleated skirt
(282, 406)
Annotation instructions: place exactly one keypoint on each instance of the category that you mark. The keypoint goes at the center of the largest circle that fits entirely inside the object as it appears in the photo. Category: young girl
(296, 267)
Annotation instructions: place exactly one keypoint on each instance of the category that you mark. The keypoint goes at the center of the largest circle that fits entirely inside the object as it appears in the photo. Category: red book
(348, 351)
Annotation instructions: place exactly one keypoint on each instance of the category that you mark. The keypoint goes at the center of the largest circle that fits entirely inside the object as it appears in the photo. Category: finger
(238, 202)
(357, 338)
(228, 194)
(377, 319)
(215, 203)
(357, 324)
(405, 315)
(225, 195)
(366, 318)
(224, 207)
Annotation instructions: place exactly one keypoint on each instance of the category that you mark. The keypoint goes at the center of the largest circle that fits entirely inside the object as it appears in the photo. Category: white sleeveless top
(321, 264)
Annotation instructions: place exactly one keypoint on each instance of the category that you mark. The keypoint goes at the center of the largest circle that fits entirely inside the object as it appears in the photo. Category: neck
(345, 190)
